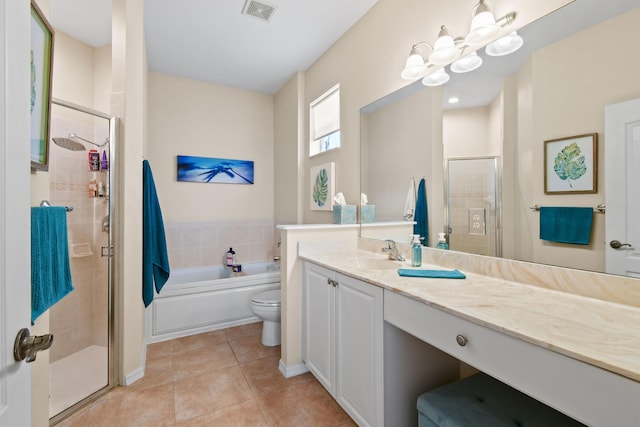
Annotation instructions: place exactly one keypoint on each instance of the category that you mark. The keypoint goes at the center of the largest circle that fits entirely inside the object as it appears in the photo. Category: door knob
(26, 345)
(616, 244)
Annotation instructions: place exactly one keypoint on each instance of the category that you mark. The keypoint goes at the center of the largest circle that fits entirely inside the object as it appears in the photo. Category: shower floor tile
(77, 376)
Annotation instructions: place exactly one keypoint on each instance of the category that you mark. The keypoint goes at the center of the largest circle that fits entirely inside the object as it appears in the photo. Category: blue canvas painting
(209, 169)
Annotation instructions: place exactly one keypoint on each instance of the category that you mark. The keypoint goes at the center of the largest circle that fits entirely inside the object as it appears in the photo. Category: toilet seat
(267, 298)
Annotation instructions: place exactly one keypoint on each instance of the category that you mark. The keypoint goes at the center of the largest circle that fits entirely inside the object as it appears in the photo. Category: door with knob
(622, 185)
(15, 271)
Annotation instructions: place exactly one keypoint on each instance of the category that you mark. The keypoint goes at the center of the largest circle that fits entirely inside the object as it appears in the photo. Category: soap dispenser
(442, 242)
(416, 251)
(231, 255)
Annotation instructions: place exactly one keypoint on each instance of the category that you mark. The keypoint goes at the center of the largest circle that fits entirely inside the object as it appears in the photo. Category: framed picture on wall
(322, 187)
(41, 67)
(571, 165)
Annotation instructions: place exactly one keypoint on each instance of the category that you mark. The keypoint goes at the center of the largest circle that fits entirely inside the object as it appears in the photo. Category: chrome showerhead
(69, 144)
(72, 145)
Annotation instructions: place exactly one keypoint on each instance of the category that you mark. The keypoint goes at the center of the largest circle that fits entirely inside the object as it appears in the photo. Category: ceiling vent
(258, 10)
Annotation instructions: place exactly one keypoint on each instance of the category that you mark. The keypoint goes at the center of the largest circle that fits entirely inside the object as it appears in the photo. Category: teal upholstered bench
(482, 401)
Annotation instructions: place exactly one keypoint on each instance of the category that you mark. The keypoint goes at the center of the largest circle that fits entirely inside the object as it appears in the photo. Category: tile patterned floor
(220, 378)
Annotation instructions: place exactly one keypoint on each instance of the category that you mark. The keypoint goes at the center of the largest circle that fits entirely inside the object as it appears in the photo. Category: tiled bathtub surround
(198, 244)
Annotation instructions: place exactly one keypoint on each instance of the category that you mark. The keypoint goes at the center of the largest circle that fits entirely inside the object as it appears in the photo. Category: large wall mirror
(574, 63)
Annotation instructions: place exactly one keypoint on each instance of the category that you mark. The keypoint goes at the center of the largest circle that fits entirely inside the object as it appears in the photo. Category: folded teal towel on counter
(433, 274)
(566, 224)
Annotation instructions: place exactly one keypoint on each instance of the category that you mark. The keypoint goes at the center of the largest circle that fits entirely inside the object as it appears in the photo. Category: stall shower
(80, 177)
(473, 205)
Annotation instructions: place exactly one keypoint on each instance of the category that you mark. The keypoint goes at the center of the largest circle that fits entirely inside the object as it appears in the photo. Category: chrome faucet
(392, 250)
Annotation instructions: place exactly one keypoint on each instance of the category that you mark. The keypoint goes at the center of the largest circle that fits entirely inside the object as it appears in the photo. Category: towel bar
(601, 208)
(46, 204)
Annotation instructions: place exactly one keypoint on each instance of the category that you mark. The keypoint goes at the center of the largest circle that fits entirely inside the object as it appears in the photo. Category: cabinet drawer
(580, 390)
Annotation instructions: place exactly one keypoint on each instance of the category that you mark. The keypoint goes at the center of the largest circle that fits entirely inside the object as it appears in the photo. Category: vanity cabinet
(343, 340)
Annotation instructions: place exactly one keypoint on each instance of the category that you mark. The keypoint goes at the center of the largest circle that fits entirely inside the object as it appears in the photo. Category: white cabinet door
(359, 350)
(318, 314)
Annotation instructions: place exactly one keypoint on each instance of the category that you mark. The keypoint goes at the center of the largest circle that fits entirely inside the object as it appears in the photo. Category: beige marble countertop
(597, 332)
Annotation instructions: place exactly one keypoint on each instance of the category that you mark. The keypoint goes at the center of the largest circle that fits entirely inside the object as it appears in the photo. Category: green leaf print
(321, 188)
(569, 164)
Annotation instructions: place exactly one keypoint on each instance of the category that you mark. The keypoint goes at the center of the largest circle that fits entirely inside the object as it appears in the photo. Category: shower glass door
(473, 208)
(81, 149)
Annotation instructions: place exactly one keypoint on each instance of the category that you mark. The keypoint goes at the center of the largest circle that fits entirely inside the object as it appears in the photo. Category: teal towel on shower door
(50, 267)
(155, 260)
(566, 224)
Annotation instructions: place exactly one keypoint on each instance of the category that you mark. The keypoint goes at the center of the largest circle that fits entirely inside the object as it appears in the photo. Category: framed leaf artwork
(322, 187)
(571, 165)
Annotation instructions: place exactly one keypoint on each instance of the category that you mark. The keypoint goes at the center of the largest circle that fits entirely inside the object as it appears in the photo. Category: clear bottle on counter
(416, 251)
(442, 242)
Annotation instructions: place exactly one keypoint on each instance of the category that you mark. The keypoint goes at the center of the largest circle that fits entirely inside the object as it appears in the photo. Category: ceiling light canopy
(448, 50)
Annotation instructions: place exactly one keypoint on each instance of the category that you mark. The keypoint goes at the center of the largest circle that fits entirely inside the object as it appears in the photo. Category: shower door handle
(26, 345)
(109, 250)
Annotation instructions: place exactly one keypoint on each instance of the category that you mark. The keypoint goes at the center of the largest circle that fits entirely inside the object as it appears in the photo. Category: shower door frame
(111, 291)
(498, 185)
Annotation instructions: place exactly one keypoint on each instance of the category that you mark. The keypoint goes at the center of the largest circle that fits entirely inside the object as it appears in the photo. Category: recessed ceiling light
(454, 100)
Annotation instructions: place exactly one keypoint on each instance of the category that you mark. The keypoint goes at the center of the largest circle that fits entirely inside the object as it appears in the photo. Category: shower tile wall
(198, 244)
(471, 186)
(80, 319)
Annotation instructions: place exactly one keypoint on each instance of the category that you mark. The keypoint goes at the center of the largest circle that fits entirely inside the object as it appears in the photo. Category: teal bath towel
(155, 259)
(433, 274)
(421, 214)
(566, 224)
(50, 267)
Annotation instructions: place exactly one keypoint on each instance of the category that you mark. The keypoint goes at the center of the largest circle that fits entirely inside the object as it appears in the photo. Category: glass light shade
(445, 50)
(437, 78)
(505, 45)
(483, 26)
(467, 63)
(414, 68)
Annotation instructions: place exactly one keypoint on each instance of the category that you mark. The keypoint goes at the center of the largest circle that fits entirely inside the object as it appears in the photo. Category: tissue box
(367, 214)
(344, 214)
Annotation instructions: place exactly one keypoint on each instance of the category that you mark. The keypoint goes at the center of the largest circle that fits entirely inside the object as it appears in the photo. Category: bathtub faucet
(392, 250)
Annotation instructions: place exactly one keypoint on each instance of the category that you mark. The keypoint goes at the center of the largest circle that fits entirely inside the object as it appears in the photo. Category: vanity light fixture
(451, 51)
(505, 45)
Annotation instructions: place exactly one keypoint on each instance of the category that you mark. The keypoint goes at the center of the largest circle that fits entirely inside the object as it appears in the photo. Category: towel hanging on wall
(155, 260)
(421, 217)
(410, 201)
(50, 267)
(566, 224)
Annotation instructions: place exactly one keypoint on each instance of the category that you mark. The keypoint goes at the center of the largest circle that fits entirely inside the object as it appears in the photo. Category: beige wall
(289, 150)
(466, 132)
(128, 102)
(192, 118)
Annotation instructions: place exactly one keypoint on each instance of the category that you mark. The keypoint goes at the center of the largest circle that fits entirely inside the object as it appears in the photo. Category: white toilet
(266, 305)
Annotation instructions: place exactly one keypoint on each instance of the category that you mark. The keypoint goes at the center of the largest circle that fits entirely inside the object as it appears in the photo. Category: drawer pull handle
(461, 340)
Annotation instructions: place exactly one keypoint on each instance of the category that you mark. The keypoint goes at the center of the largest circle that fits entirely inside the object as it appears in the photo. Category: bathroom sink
(377, 263)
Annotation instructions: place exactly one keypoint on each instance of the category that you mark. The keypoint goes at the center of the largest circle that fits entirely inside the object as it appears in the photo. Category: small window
(325, 122)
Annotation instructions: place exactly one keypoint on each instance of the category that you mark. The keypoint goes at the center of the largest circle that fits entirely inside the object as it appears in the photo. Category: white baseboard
(292, 371)
(134, 376)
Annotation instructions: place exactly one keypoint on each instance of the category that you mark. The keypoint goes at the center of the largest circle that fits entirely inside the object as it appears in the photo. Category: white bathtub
(196, 300)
